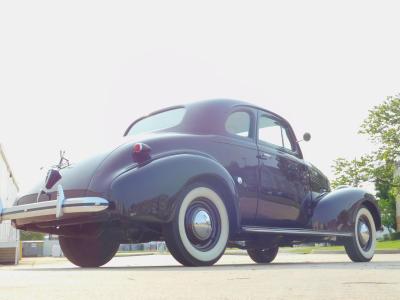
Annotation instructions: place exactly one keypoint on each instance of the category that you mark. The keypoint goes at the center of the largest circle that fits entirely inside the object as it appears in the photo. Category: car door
(284, 189)
(237, 151)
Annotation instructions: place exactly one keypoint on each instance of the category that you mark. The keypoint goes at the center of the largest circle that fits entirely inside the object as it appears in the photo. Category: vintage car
(200, 177)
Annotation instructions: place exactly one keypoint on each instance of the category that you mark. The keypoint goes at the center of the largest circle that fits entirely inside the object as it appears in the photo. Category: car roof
(206, 116)
(220, 107)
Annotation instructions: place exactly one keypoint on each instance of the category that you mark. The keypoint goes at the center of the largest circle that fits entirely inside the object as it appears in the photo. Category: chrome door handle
(264, 156)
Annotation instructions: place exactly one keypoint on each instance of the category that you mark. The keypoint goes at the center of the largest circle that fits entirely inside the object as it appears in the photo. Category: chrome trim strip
(294, 231)
(50, 208)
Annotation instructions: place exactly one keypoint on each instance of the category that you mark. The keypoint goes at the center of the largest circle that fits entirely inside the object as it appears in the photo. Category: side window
(272, 132)
(238, 123)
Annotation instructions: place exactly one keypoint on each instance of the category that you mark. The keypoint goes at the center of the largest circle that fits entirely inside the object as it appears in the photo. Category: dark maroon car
(200, 176)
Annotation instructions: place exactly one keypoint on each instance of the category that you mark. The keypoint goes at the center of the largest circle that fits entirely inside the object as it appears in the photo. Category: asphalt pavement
(291, 276)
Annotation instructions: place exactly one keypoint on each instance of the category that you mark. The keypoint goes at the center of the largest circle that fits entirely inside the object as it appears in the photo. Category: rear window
(163, 120)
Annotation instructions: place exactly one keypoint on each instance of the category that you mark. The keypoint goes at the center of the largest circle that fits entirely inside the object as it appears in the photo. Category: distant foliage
(395, 236)
(31, 236)
(383, 128)
(352, 172)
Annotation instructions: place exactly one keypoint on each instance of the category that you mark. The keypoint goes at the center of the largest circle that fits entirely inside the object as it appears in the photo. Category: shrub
(395, 236)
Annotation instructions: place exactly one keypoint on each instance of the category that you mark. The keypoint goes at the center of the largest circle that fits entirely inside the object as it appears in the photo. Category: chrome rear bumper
(54, 208)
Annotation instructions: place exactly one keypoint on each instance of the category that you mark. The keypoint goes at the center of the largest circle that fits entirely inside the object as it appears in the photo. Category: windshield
(159, 121)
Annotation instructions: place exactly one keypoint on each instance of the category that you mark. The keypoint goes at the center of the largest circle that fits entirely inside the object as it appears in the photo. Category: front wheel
(361, 247)
(198, 234)
(89, 253)
(263, 256)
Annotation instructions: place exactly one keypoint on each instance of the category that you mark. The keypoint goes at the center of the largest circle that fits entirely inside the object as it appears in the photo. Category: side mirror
(306, 137)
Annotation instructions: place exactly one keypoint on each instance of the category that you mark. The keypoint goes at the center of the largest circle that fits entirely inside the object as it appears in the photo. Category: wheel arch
(150, 192)
(374, 210)
(228, 195)
(335, 211)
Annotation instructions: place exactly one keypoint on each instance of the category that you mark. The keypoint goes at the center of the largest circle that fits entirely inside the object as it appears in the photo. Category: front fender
(150, 192)
(334, 212)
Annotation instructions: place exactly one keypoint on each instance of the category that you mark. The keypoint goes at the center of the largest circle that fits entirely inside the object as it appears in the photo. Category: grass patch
(301, 250)
(380, 245)
(388, 245)
(134, 253)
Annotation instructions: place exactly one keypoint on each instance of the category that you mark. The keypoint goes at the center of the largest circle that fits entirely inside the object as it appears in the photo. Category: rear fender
(334, 212)
(150, 192)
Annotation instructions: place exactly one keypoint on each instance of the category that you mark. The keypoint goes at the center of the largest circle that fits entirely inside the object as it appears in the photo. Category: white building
(9, 236)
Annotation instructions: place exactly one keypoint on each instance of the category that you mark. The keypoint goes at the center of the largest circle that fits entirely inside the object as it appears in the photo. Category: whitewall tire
(198, 234)
(361, 247)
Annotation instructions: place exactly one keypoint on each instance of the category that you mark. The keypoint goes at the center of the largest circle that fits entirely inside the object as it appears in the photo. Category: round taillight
(138, 148)
(141, 151)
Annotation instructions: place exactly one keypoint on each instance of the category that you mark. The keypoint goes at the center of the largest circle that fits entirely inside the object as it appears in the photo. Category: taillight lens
(138, 148)
(141, 151)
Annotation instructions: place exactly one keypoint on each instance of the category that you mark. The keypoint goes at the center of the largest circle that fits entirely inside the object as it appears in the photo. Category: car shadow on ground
(227, 267)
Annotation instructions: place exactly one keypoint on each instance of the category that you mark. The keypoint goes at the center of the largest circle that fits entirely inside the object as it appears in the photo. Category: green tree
(352, 172)
(383, 128)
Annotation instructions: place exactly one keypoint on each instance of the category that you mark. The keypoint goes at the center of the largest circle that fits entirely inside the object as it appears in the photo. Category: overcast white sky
(75, 74)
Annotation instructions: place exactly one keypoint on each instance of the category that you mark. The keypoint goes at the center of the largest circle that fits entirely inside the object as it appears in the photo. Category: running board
(292, 231)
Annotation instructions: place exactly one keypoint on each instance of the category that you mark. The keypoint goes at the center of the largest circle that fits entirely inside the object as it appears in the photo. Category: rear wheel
(361, 247)
(89, 253)
(263, 256)
(198, 234)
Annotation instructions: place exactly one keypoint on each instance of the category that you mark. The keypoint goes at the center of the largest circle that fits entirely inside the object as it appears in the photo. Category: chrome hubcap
(201, 224)
(364, 233)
